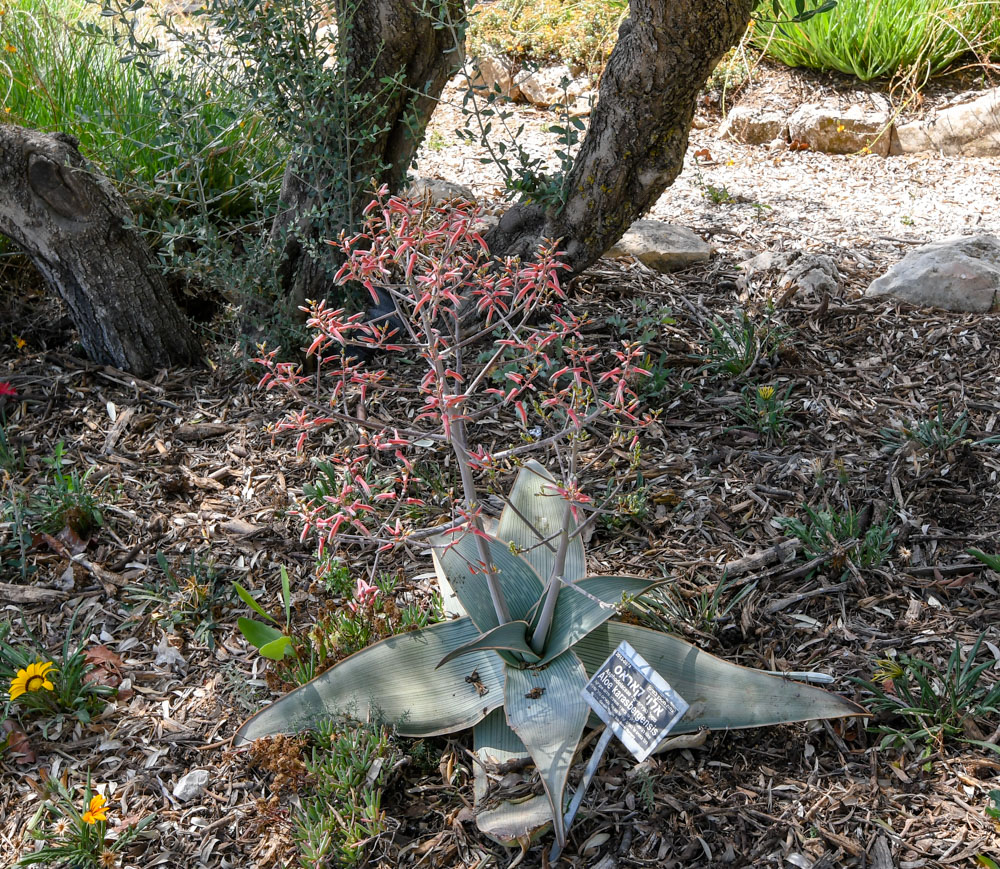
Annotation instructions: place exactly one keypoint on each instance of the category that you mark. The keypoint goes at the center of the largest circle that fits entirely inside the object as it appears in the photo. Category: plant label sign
(635, 701)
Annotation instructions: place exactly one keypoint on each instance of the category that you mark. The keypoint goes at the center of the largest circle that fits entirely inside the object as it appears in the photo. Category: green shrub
(580, 33)
(912, 38)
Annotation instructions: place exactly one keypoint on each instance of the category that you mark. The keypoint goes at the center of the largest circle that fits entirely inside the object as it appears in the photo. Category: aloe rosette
(519, 699)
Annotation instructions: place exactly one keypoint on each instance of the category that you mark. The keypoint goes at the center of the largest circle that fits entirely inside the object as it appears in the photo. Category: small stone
(662, 246)
(191, 785)
(438, 191)
(792, 272)
(960, 274)
(753, 126)
(544, 87)
(168, 656)
(833, 131)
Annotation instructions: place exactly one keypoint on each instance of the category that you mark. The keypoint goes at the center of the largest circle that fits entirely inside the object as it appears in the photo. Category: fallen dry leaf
(17, 743)
(106, 667)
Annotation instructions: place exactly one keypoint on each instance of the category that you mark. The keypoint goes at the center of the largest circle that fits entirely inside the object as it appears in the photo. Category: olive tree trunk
(396, 57)
(634, 148)
(78, 232)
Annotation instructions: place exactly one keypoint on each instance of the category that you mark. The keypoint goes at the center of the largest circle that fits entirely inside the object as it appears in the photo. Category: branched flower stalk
(452, 300)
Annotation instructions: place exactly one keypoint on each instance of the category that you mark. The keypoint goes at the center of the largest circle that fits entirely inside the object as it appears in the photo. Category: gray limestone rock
(438, 191)
(544, 88)
(661, 246)
(960, 274)
(754, 126)
(833, 131)
(969, 129)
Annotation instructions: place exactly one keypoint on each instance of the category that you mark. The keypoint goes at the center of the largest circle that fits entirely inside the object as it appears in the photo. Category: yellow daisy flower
(34, 678)
(765, 393)
(98, 810)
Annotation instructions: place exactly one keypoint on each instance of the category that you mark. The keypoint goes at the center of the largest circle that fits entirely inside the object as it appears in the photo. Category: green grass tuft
(910, 38)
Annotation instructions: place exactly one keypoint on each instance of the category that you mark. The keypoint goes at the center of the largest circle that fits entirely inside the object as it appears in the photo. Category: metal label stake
(638, 706)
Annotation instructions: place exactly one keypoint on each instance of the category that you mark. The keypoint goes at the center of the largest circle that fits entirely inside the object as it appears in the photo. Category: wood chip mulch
(187, 474)
(187, 470)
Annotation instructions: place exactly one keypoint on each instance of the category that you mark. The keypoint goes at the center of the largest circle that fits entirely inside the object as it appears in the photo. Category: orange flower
(98, 810)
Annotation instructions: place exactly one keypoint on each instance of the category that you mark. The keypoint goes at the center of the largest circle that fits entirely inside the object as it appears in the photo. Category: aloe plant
(462, 673)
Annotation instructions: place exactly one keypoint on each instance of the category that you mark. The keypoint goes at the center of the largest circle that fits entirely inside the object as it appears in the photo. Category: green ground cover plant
(839, 537)
(341, 810)
(909, 38)
(580, 32)
(929, 704)
(75, 834)
(191, 598)
(50, 686)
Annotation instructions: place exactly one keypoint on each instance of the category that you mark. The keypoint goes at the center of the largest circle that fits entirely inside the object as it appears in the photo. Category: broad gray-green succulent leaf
(577, 611)
(546, 710)
(398, 681)
(722, 696)
(507, 637)
(459, 557)
(516, 820)
(533, 514)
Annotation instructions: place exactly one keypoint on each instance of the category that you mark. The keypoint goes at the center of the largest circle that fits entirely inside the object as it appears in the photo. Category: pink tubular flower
(365, 591)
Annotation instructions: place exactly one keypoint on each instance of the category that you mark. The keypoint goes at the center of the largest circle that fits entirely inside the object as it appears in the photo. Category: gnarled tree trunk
(77, 231)
(420, 45)
(639, 128)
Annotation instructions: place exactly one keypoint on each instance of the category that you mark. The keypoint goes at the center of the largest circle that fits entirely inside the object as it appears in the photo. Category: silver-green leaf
(460, 561)
(546, 710)
(722, 696)
(586, 604)
(398, 681)
(507, 637)
(534, 513)
(505, 821)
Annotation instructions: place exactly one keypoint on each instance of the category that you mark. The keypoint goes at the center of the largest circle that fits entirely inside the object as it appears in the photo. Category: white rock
(168, 656)
(833, 131)
(969, 129)
(438, 191)
(754, 126)
(960, 274)
(794, 270)
(662, 246)
(495, 75)
(544, 86)
(191, 785)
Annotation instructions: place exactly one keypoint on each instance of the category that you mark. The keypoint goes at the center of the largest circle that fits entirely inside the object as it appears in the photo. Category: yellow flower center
(35, 683)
